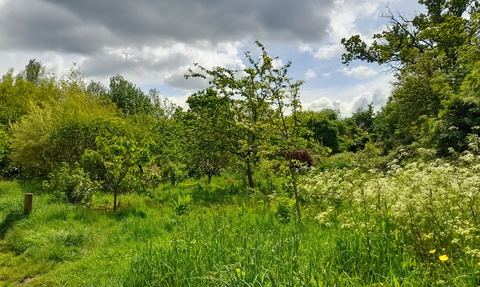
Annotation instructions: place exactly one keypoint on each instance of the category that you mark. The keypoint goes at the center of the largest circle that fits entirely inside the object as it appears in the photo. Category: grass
(224, 236)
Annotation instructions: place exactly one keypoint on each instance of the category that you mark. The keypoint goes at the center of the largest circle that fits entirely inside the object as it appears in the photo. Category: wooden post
(28, 203)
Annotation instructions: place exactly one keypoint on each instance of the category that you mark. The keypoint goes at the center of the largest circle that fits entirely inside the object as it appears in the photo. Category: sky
(153, 43)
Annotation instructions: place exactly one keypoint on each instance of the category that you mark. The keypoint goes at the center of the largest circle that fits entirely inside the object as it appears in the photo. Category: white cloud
(360, 72)
(310, 74)
(345, 108)
(348, 99)
(329, 51)
(180, 101)
(168, 64)
(347, 18)
(305, 48)
(277, 63)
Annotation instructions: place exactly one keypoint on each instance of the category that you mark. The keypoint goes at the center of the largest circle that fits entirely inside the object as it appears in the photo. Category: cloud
(154, 40)
(347, 108)
(310, 74)
(329, 51)
(164, 64)
(277, 63)
(347, 18)
(87, 26)
(348, 99)
(154, 43)
(360, 72)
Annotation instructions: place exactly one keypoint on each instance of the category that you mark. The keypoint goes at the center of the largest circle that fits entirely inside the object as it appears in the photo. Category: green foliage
(360, 229)
(364, 119)
(424, 200)
(125, 163)
(34, 72)
(59, 132)
(433, 55)
(166, 127)
(460, 118)
(324, 127)
(7, 169)
(209, 126)
(182, 203)
(17, 95)
(71, 184)
(285, 209)
(174, 173)
(257, 118)
(128, 98)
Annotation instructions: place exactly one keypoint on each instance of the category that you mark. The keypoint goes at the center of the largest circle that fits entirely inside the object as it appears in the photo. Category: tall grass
(355, 233)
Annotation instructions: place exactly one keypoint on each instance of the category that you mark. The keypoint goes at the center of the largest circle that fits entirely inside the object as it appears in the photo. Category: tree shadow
(10, 220)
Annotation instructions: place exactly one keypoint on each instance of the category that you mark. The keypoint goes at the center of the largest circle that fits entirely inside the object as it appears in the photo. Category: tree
(364, 118)
(129, 98)
(97, 89)
(426, 53)
(17, 94)
(124, 161)
(261, 96)
(208, 131)
(249, 107)
(34, 72)
(166, 127)
(60, 132)
(324, 128)
(284, 97)
(59, 128)
(6, 167)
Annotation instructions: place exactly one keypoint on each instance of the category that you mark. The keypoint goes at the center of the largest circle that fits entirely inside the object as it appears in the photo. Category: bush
(301, 158)
(7, 169)
(71, 184)
(285, 209)
(182, 203)
(60, 131)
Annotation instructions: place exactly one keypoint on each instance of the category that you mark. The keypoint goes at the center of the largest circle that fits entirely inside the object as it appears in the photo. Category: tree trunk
(293, 172)
(250, 175)
(114, 201)
(209, 178)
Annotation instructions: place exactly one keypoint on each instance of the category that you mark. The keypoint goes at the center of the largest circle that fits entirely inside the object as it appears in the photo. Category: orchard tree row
(119, 138)
(82, 136)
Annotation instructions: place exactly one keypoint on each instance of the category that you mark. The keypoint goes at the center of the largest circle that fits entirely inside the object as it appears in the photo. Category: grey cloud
(85, 26)
(379, 98)
(134, 62)
(38, 26)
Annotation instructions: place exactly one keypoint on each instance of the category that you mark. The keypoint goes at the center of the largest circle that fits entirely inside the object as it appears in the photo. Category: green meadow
(414, 226)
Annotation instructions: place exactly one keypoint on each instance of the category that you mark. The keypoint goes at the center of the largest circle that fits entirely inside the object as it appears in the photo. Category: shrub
(435, 204)
(301, 157)
(182, 203)
(285, 209)
(71, 184)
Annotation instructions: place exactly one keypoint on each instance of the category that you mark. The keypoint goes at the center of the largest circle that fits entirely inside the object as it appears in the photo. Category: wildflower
(239, 272)
(443, 258)
(432, 251)
(427, 237)
(478, 263)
